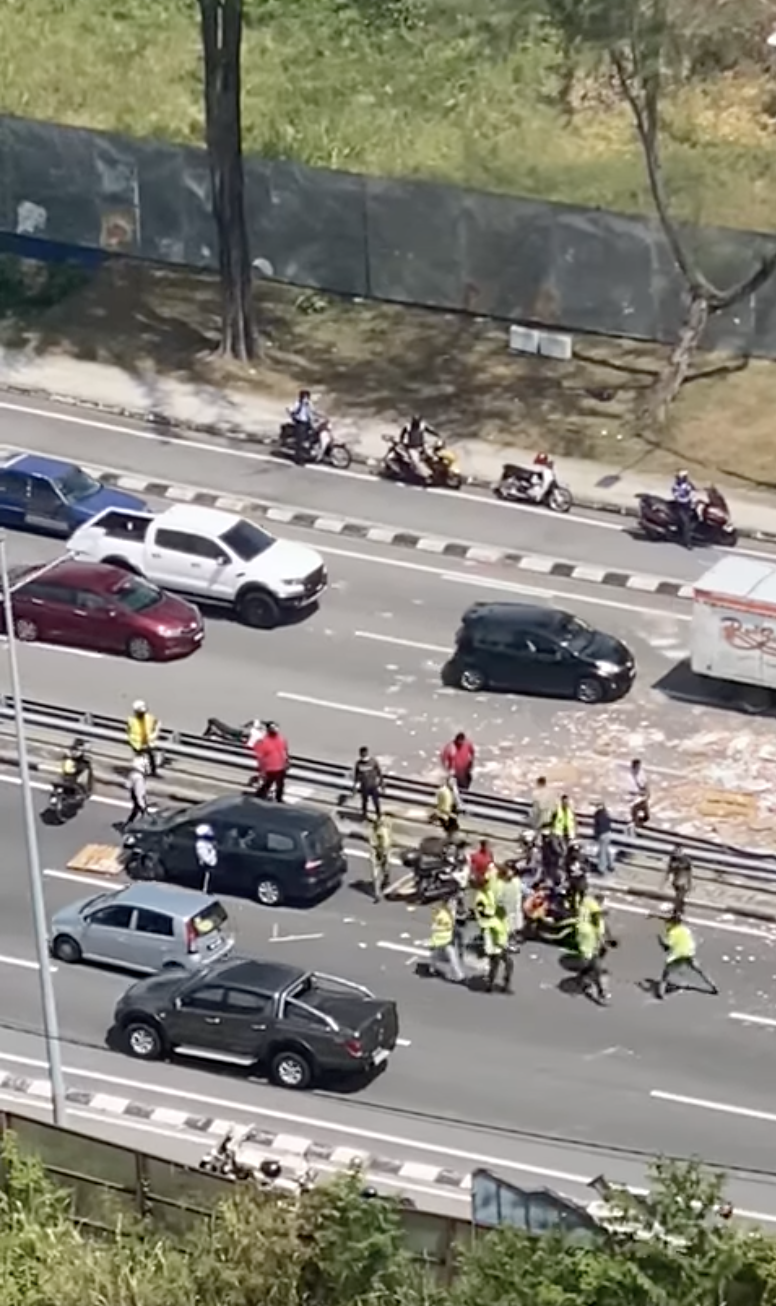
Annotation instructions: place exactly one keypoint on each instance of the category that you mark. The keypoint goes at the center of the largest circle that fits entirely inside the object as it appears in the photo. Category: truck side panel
(730, 643)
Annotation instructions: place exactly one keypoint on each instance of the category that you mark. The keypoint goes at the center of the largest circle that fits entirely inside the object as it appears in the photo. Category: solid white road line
(93, 880)
(337, 707)
(58, 648)
(705, 1104)
(402, 643)
(413, 951)
(746, 1019)
(507, 586)
(22, 963)
(309, 1122)
(705, 922)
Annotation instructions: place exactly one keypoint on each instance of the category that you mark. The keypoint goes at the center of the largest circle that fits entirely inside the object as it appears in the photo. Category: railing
(107, 1180)
(485, 813)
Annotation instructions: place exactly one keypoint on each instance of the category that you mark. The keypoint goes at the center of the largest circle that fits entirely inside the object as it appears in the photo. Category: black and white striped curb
(304, 1151)
(388, 535)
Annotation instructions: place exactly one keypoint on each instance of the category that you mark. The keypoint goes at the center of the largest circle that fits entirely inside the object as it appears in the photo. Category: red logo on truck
(750, 639)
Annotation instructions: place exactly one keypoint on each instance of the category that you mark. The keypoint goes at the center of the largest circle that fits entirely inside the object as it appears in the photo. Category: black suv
(295, 1024)
(267, 851)
(533, 650)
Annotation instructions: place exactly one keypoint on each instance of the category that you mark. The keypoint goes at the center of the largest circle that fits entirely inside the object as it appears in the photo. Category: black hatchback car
(533, 650)
(270, 852)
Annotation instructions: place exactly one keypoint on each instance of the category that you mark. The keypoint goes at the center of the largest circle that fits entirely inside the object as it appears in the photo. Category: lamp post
(48, 1000)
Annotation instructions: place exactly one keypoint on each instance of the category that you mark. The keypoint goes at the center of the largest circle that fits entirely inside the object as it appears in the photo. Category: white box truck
(733, 630)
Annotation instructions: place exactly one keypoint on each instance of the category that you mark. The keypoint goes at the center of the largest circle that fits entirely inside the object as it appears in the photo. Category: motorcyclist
(76, 777)
(412, 443)
(311, 434)
(683, 494)
(542, 477)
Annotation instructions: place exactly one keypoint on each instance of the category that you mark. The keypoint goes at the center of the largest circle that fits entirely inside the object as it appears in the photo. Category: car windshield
(75, 484)
(573, 633)
(247, 540)
(137, 595)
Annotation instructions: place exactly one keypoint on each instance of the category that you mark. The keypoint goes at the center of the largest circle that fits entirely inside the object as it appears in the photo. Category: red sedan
(94, 606)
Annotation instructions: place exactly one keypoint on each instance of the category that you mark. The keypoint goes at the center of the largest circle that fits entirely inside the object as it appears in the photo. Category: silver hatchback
(144, 927)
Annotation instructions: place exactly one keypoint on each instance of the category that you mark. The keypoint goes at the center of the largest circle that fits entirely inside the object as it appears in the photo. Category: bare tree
(222, 22)
(649, 43)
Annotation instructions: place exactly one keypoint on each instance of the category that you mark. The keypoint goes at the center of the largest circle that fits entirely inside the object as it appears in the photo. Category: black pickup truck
(298, 1026)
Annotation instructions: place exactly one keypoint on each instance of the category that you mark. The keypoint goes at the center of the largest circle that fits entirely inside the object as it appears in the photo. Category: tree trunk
(221, 43)
(674, 374)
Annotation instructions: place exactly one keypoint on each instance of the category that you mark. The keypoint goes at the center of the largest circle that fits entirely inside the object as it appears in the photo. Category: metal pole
(48, 1000)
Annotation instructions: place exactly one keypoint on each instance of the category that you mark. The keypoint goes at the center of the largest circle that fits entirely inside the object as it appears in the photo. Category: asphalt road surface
(229, 468)
(537, 1075)
(365, 668)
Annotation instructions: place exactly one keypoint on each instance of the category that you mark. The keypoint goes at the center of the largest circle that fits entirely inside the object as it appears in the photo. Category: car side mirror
(222, 559)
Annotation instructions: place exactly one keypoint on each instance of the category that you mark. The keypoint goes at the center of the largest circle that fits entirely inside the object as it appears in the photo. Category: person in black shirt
(679, 874)
(367, 781)
(602, 833)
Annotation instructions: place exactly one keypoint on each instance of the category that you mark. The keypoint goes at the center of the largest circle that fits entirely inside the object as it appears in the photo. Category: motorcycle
(311, 450)
(65, 800)
(711, 522)
(224, 1162)
(440, 464)
(435, 872)
(517, 483)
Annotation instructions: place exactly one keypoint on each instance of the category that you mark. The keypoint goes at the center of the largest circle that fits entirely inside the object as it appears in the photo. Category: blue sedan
(46, 494)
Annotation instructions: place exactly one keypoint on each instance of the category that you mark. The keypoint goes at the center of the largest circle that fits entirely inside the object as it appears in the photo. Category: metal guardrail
(335, 779)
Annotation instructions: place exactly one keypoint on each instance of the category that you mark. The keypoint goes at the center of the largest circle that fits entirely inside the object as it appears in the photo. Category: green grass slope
(324, 85)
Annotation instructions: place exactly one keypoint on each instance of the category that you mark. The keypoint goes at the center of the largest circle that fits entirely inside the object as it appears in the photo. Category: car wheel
(291, 1070)
(589, 690)
(140, 649)
(472, 680)
(26, 630)
(258, 609)
(143, 1041)
(66, 949)
(268, 893)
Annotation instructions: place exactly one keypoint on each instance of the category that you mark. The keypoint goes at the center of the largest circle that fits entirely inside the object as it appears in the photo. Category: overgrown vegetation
(336, 1247)
(366, 85)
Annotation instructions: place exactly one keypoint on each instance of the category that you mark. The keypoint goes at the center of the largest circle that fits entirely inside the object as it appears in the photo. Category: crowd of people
(488, 904)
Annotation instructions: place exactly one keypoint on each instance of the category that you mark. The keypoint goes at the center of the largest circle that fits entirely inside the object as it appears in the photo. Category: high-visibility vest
(564, 823)
(380, 838)
(496, 936)
(442, 928)
(484, 904)
(680, 943)
(587, 939)
(445, 800)
(588, 907)
(142, 730)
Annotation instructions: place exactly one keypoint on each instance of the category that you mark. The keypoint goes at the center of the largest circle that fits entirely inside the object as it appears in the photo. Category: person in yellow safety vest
(509, 895)
(496, 937)
(143, 733)
(446, 807)
(590, 940)
(564, 822)
(445, 961)
(678, 944)
(485, 904)
(380, 845)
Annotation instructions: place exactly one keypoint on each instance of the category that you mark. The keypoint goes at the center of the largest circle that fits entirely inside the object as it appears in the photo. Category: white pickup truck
(216, 557)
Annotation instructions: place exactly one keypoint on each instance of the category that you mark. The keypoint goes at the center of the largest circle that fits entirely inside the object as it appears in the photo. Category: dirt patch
(372, 358)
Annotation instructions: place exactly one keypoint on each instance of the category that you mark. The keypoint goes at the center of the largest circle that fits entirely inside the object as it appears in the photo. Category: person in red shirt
(458, 761)
(481, 862)
(271, 755)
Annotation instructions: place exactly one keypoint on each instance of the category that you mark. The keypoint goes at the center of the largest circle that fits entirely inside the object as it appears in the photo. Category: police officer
(497, 950)
(679, 946)
(445, 961)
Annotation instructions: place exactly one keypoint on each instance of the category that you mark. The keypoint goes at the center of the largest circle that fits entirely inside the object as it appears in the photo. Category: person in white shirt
(138, 789)
(639, 797)
(206, 853)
